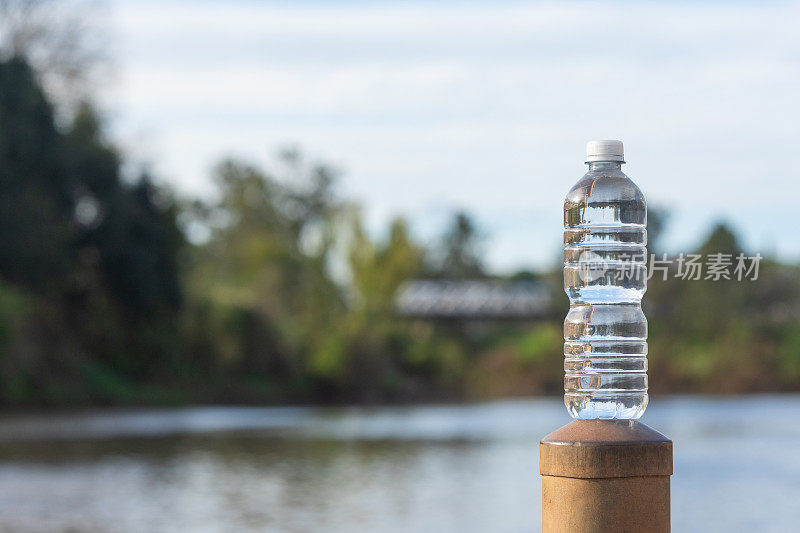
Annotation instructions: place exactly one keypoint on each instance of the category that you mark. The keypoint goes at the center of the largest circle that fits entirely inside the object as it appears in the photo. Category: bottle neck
(604, 165)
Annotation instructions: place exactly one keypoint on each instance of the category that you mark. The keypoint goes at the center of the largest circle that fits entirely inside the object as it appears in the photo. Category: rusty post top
(598, 432)
(590, 449)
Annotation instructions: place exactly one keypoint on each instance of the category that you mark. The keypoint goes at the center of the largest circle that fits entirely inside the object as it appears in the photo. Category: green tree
(378, 269)
(657, 219)
(36, 203)
(265, 268)
(98, 254)
(460, 255)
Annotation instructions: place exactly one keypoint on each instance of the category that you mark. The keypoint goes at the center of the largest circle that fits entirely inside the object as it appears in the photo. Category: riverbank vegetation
(271, 290)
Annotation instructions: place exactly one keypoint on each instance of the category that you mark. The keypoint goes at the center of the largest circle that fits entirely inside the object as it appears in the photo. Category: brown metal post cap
(592, 449)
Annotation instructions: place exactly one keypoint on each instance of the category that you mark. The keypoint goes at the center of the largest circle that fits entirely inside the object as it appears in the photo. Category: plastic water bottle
(605, 332)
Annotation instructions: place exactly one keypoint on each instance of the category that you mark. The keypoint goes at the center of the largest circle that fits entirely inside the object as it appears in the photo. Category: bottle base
(606, 405)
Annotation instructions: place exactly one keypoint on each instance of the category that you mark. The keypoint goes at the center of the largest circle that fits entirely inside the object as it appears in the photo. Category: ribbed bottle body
(605, 331)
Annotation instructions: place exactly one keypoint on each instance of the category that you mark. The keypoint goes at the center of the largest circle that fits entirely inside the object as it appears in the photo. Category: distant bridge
(472, 300)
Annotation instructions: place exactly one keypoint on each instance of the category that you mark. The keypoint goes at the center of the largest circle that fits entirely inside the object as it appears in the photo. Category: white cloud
(484, 106)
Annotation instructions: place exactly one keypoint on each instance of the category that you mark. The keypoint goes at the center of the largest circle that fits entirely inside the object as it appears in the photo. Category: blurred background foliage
(114, 291)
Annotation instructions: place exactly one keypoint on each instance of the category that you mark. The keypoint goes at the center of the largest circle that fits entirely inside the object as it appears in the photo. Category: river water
(465, 468)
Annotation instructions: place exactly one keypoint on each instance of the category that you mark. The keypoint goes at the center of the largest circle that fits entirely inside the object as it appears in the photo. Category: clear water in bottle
(605, 331)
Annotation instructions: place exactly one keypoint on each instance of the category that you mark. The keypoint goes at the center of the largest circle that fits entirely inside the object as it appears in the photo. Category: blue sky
(486, 106)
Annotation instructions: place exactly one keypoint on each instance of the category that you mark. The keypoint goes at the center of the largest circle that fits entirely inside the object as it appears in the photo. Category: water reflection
(463, 468)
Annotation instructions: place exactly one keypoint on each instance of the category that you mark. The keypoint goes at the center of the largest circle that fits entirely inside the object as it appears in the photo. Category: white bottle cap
(604, 151)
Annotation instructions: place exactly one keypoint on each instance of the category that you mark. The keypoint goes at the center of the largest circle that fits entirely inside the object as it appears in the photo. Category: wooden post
(605, 476)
